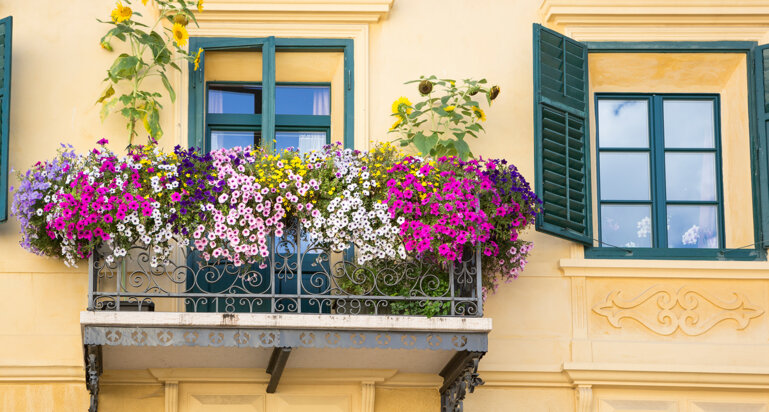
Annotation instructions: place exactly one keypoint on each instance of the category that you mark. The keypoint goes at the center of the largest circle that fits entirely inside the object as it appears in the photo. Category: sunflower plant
(151, 50)
(446, 114)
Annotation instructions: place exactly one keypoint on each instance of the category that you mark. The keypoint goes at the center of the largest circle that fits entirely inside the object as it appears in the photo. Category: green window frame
(6, 31)
(656, 151)
(268, 122)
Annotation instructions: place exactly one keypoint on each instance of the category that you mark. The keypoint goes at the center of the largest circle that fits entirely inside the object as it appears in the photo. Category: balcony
(322, 308)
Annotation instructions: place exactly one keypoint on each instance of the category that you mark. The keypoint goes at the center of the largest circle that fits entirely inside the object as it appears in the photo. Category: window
(659, 171)
(675, 165)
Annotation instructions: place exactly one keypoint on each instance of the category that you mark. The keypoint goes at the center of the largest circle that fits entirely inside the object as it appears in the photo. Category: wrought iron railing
(299, 276)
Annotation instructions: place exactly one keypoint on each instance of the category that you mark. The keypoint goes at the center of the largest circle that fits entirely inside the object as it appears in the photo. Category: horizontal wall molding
(42, 373)
(668, 269)
(351, 11)
(631, 20)
(667, 377)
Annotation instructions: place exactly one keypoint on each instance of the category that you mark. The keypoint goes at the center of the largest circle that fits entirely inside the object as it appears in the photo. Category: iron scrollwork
(93, 370)
(460, 378)
(299, 276)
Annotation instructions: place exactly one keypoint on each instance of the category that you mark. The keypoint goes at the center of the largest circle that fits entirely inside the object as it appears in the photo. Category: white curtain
(311, 141)
(321, 102)
(215, 101)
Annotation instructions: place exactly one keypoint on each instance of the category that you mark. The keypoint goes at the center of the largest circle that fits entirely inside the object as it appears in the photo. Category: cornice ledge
(326, 11)
(636, 20)
(681, 269)
(679, 376)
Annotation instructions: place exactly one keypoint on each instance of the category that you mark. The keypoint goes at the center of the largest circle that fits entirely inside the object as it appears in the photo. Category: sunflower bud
(494, 92)
(425, 87)
(474, 90)
(106, 46)
(181, 19)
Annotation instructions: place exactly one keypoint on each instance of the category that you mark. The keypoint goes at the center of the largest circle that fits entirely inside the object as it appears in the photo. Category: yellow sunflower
(200, 5)
(197, 58)
(398, 105)
(397, 123)
(121, 13)
(479, 113)
(450, 108)
(180, 35)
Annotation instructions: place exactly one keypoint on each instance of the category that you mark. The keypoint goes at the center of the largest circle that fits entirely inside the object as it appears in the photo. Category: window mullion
(268, 94)
(659, 198)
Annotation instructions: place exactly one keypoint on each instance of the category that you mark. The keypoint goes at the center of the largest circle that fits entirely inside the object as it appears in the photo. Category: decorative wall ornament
(665, 310)
(270, 338)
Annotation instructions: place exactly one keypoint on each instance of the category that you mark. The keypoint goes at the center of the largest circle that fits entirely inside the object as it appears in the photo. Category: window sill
(666, 268)
(675, 254)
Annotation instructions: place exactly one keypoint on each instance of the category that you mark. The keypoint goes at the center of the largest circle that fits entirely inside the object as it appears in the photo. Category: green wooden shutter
(5, 108)
(562, 148)
(761, 157)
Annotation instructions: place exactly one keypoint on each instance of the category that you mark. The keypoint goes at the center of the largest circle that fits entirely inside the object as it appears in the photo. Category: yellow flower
(121, 13)
(398, 105)
(197, 64)
(479, 113)
(396, 124)
(450, 108)
(200, 5)
(144, 2)
(180, 35)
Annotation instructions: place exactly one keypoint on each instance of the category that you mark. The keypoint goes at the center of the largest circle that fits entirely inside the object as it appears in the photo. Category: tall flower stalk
(149, 52)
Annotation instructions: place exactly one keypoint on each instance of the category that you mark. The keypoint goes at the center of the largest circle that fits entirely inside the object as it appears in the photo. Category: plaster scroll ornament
(665, 310)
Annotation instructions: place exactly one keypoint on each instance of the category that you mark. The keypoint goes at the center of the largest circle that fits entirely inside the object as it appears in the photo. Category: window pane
(692, 226)
(308, 100)
(623, 123)
(624, 176)
(229, 139)
(304, 141)
(235, 99)
(690, 176)
(626, 225)
(689, 123)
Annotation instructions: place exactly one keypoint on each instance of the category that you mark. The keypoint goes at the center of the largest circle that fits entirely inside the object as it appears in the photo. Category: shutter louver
(5, 103)
(561, 135)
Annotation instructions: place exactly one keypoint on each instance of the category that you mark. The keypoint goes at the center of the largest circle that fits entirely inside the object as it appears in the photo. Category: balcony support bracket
(275, 367)
(460, 376)
(93, 370)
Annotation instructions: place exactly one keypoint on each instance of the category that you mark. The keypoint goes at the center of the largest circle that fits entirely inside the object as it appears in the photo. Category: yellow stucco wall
(551, 340)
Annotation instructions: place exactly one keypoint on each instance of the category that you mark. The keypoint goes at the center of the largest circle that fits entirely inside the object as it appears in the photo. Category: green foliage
(438, 124)
(433, 282)
(150, 52)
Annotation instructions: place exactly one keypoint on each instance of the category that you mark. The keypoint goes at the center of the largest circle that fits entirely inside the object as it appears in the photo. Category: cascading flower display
(97, 199)
(350, 203)
(251, 199)
(233, 204)
(445, 206)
